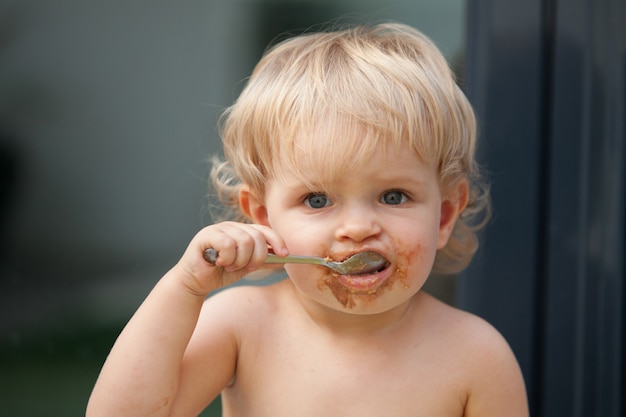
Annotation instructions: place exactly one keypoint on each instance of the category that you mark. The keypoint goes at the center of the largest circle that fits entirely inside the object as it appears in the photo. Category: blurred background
(107, 118)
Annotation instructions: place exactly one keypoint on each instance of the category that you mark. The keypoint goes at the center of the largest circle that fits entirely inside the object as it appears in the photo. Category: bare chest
(287, 377)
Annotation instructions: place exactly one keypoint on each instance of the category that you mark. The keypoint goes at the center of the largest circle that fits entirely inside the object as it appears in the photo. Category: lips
(365, 283)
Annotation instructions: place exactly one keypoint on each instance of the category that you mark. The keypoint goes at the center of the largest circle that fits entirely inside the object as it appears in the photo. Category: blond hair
(333, 97)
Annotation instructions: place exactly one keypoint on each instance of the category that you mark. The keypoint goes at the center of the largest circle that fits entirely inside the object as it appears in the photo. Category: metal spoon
(357, 264)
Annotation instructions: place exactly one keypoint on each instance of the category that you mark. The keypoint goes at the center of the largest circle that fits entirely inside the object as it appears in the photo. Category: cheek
(303, 239)
(414, 262)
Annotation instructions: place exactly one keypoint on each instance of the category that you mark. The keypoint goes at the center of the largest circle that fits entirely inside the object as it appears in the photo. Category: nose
(357, 223)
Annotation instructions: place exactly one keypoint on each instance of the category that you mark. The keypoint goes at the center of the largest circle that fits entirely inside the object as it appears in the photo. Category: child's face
(391, 204)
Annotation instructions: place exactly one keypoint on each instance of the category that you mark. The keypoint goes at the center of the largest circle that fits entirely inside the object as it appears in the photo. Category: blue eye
(317, 201)
(393, 197)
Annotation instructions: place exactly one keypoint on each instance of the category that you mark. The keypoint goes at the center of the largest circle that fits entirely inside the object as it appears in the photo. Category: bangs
(329, 151)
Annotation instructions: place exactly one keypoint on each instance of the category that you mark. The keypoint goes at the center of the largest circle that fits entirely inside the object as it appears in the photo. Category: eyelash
(307, 200)
(403, 196)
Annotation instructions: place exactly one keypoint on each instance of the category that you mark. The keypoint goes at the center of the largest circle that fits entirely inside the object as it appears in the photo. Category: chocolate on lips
(370, 281)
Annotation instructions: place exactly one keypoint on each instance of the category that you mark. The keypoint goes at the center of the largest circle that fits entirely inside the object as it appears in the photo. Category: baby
(343, 142)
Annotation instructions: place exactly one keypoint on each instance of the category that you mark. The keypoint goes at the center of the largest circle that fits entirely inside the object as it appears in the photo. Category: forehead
(326, 157)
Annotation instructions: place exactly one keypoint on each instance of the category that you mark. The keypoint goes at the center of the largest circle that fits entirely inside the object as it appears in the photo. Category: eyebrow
(304, 182)
(403, 179)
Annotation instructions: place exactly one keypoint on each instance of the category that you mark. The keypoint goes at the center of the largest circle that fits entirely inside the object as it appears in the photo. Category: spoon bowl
(358, 264)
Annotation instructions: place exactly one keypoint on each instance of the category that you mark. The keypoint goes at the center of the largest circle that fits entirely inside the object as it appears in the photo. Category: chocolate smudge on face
(347, 298)
(340, 292)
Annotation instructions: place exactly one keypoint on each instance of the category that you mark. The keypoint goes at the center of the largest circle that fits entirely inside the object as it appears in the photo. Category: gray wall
(108, 113)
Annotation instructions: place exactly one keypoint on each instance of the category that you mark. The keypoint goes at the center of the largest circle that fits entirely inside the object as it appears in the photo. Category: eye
(317, 201)
(393, 197)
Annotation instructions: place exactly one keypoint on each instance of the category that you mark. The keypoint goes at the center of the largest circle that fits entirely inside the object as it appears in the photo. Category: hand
(242, 249)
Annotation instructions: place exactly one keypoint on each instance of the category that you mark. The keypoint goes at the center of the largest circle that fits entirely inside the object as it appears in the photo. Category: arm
(498, 386)
(144, 371)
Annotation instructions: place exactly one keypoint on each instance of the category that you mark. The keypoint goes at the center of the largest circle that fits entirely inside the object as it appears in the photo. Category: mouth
(366, 281)
(362, 263)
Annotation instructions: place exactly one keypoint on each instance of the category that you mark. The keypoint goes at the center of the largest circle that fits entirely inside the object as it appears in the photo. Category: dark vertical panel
(549, 86)
(569, 172)
(622, 388)
(503, 81)
(585, 297)
(566, 311)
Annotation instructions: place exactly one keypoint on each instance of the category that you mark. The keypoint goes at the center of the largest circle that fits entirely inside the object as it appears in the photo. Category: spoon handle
(211, 257)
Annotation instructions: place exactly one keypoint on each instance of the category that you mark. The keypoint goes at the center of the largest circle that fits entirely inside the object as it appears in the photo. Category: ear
(252, 206)
(452, 206)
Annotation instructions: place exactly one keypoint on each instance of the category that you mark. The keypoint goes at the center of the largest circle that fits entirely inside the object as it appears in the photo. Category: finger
(274, 241)
(239, 246)
(232, 246)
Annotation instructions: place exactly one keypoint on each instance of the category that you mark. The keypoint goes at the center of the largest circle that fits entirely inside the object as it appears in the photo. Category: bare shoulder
(492, 376)
(245, 305)
(473, 331)
(452, 324)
